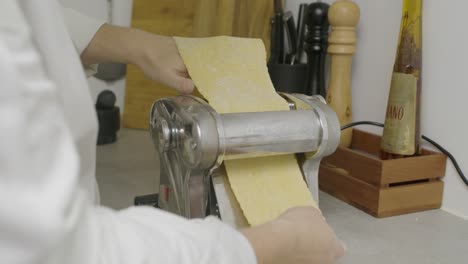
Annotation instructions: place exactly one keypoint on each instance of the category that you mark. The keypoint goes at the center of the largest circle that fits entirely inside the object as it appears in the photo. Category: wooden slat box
(379, 187)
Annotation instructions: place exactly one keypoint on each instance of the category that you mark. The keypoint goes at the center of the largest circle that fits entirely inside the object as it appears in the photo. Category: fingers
(182, 84)
(186, 86)
(310, 219)
(341, 250)
(338, 247)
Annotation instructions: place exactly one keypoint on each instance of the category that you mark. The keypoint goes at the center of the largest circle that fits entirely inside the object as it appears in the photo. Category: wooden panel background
(188, 18)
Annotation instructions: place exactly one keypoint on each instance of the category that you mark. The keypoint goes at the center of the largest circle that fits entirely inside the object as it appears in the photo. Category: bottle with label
(402, 132)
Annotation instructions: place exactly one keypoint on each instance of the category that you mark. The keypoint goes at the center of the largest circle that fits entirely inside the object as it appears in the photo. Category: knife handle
(273, 47)
(301, 28)
(277, 39)
(316, 46)
(291, 37)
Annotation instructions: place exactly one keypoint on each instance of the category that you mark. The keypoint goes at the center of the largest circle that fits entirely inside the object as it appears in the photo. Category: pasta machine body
(193, 140)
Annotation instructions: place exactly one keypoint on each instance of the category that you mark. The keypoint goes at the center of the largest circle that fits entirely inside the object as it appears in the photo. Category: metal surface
(270, 133)
(329, 123)
(176, 132)
(329, 136)
(193, 140)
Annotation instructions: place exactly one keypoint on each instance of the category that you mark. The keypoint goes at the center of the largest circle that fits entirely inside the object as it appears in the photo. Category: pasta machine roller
(193, 140)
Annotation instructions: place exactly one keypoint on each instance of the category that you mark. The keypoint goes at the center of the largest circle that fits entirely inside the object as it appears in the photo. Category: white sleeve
(45, 216)
(82, 29)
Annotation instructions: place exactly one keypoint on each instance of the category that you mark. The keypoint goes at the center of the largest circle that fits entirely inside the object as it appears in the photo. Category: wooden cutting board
(188, 18)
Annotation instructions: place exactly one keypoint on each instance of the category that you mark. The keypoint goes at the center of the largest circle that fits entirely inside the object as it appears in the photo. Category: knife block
(288, 78)
(382, 188)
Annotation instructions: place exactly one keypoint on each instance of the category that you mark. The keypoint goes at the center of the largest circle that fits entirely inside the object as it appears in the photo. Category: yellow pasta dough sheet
(231, 74)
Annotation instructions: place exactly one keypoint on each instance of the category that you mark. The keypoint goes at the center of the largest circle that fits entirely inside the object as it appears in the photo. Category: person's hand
(315, 241)
(157, 56)
(299, 236)
(161, 62)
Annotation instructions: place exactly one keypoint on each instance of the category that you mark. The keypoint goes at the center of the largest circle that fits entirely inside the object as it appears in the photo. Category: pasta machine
(193, 140)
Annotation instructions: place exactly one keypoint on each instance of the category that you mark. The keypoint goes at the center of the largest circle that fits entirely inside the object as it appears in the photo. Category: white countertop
(129, 168)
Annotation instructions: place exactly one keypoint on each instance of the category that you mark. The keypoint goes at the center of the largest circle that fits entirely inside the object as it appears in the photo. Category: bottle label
(400, 120)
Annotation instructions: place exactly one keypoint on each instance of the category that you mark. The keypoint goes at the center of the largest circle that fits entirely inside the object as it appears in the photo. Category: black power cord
(435, 144)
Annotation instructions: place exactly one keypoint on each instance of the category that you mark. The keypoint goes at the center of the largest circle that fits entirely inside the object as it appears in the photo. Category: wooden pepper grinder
(343, 16)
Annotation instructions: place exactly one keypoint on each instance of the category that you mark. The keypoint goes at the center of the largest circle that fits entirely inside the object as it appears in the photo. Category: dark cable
(435, 144)
(450, 156)
(361, 123)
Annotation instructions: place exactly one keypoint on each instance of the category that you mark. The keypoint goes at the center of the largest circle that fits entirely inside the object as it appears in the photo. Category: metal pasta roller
(193, 140)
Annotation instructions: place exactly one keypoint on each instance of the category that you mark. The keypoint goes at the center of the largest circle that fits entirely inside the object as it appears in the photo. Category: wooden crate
(379, 187)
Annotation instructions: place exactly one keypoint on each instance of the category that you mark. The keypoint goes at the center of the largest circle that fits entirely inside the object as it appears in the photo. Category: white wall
(445, 57)
(117, 12)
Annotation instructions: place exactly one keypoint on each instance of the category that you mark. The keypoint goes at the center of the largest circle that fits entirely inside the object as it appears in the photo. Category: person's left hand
(299, 236)
(161, 62)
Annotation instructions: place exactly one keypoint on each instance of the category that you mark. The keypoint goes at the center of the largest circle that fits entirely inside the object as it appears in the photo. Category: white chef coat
(47, 159)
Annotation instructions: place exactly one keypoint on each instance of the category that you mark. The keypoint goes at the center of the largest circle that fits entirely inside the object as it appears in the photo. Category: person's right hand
(157, 56)
(161, 62)
(299, 236)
